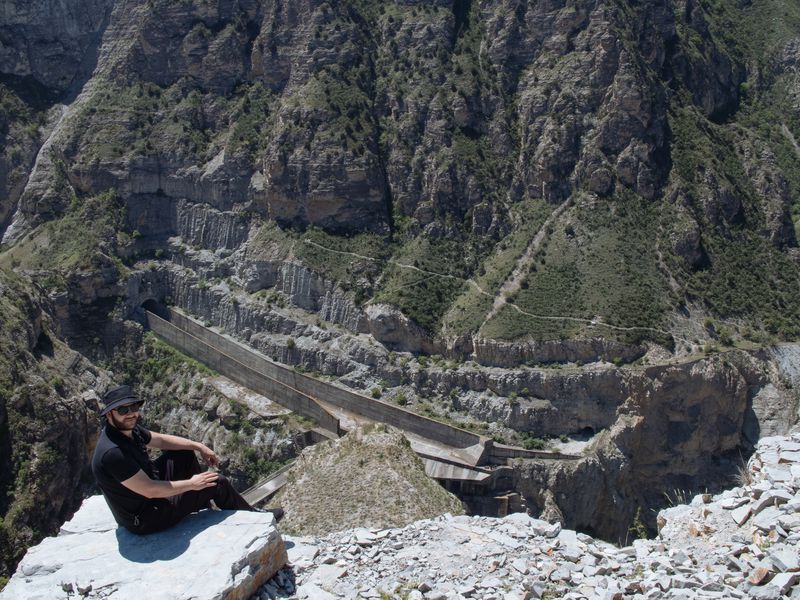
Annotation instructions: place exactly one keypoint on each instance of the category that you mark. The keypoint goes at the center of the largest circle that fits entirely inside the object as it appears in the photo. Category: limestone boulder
(219, 555)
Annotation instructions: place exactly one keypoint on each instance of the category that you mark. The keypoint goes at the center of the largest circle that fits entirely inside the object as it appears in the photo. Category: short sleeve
(118, 466)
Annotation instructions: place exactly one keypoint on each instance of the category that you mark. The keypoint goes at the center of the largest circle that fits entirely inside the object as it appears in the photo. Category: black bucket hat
(122, 394)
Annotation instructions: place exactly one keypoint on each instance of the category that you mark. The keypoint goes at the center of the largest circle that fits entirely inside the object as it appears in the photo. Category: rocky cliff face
(49, 44)
(405, 130)
(48, 421)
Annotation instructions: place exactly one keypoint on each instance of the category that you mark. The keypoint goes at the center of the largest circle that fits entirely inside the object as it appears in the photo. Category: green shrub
(531, 442)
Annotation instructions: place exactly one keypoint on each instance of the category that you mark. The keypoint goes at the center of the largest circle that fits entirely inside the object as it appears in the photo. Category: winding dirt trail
(512, 284)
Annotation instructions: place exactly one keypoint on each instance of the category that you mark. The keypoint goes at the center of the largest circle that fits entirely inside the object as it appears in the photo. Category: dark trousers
(162, 513)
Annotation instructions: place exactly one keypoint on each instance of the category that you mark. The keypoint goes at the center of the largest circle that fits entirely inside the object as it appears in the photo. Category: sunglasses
(124, 410)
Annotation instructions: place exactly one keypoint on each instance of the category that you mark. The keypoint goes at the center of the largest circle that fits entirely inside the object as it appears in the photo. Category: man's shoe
(276, 512)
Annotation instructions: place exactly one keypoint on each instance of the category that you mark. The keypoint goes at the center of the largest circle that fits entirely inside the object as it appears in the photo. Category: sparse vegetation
(85, 237)
(606, 268)
(384, 461)
(532, 442)
(637, 528)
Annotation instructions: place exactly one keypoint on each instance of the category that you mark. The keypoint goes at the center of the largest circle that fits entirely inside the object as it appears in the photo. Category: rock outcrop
(210, 555)
(370, 477)
(416, 125)
(47, 43)
(742, 543)
(684, 428)
(48, 422)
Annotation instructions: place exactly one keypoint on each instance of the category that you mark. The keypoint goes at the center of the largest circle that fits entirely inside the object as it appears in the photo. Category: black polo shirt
(116, 459)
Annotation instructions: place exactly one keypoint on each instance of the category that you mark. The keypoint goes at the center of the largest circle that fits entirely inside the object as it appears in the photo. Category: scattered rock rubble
(742, 543)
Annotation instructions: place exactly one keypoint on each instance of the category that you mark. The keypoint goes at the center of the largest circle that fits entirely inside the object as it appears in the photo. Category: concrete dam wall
(295, 390)
(242, 373)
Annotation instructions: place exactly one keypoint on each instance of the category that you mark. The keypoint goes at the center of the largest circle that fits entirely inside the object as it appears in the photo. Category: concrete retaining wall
(242, 373)
(502, 453)
(356, 403)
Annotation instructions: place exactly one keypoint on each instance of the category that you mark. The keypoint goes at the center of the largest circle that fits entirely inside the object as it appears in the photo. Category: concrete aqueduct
(466, 463)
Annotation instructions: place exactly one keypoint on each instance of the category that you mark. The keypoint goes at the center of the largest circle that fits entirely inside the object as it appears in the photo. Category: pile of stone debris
(742, 543)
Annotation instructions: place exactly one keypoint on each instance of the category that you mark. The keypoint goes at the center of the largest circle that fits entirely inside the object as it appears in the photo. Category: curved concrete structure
(324, 402)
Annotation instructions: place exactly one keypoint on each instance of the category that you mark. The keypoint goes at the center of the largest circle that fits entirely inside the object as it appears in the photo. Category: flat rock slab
(210, 555)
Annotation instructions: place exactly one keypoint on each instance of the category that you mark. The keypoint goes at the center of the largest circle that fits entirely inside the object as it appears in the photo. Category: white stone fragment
(784, 581)
(491, 582)
(545, 529)
(790, 522)
(466, 590)
(741, 514)
(364, 537)
(300, 554)
(520, 565)
(734, 502)
(327, 574)
(790, 456)
(735, 564)
(759, 488)
(785, 560)
(766, 499)
(778, 474)
(768, 518)
(311, 591)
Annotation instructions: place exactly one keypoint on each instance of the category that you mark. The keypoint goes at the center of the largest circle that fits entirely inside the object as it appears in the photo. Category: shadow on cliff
(168, 544)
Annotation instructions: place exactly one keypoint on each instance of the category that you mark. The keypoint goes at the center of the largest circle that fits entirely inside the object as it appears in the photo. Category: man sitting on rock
(147, 496)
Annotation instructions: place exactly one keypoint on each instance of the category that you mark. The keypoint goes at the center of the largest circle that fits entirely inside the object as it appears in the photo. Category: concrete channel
(462, 461)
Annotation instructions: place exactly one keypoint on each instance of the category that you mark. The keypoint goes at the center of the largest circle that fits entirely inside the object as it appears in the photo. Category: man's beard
(123, 423)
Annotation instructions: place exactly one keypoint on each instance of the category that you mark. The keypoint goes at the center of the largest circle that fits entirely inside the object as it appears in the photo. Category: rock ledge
(219, 555)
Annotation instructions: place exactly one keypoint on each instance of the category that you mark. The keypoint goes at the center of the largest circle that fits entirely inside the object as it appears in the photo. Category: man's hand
(208, 455)
(164, 441)
(204, 480)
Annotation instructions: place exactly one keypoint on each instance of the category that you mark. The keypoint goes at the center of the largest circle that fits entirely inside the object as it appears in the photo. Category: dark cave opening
(461, 9)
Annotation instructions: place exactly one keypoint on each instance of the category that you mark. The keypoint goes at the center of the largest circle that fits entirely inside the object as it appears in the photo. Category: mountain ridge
(600, 107)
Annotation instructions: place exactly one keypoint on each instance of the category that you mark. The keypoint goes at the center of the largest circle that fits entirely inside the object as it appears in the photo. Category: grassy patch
(749, 278)
(355, 261)
(603, 264)
(88, 229)
(756, 29)
(424, 279)
(469, 309)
